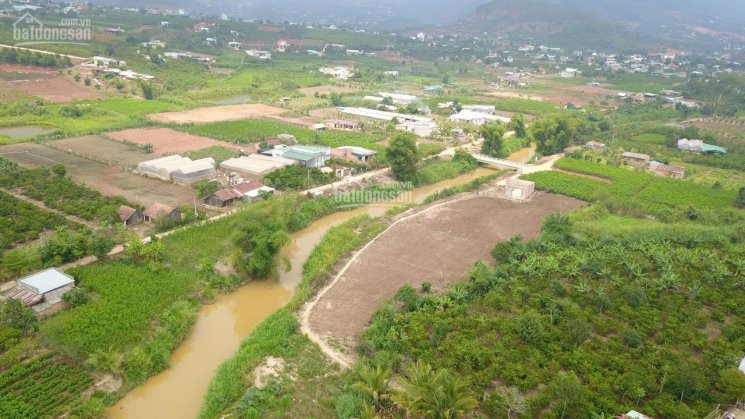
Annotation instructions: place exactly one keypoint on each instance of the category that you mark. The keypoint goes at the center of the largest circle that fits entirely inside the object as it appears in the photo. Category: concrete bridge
(522, 168)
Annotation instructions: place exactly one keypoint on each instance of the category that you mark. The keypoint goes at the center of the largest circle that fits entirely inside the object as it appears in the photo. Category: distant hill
(551, 23)
(622, 25)
(378, 14)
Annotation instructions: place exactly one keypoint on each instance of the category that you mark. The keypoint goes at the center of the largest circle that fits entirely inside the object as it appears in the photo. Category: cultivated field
(44, 83)
(102, 149)
(167, 141)
(439, 245)
(108, 180)
(225, 113)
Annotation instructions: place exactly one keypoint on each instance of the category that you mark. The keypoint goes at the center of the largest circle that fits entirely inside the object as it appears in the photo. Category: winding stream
(220, 327)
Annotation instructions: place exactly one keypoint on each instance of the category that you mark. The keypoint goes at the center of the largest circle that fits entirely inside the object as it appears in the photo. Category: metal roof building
(46, 281)
(178, 169)
(256, 164)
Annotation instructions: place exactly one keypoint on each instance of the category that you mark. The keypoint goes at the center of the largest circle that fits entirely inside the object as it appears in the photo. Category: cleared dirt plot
(43, 82)
(109, 180)
(325, 90)
(167, 141)
(439, 244)
(223, 113)
(102, 149)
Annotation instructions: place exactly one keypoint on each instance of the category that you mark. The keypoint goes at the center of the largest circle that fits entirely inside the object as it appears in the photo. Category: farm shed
(661, 169)
(519, 189)
(349, 152)
(48, 285)
(255, 164)
(222, 198)
(129, 216)
(194, 171)
(156, 210)
(742, 365)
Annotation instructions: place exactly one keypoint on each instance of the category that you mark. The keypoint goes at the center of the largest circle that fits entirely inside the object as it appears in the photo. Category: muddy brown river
(178, 391)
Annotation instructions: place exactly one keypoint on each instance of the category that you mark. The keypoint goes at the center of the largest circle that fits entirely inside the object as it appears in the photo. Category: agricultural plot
(167, 141)
(108, 180)
(43, 387)
(224, 113)
(44, 83)
(652, 193)
(102, 149)
(257, 130)
(130, 299)
(440, 243)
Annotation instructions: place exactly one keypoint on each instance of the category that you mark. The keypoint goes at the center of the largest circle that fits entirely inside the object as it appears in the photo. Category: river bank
(181, 388)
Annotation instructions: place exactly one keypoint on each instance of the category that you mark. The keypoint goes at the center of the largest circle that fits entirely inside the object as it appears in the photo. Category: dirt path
(438, 244)
(43, 206)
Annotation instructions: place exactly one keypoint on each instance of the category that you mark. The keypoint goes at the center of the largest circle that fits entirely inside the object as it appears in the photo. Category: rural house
(156, 211)
(48, 286)
(637, 158)
(129, 215)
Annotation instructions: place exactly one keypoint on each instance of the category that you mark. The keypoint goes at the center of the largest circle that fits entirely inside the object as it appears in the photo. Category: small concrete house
(156, 211)
(519, 189)
(48, 285)
(343, 124)
(354, 153)
(129, 215)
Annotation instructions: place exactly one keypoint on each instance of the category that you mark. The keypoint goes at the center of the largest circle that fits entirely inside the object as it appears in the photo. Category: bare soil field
(102, 149)
(225, 113)
(310, 91)
(438, 244)
(167, 141)
(108, 180)
(43, 82)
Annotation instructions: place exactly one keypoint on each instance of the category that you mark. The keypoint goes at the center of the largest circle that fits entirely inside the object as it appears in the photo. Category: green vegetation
(629, 190)
(492, 134)
(21, 222)
(435, 170)
(297, 178)
(22, 57)
(655, 309)
(402, 155)
(526, 106)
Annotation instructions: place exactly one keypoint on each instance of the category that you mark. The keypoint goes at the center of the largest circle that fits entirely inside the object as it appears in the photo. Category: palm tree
(512, 401)
(373, 382)
(433, 394)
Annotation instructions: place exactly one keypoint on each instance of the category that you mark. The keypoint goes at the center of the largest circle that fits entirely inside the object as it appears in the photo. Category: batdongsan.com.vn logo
(29, 30)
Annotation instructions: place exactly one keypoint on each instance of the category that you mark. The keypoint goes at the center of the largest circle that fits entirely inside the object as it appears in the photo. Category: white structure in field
(339, 73)
(48, 285)
(485, 109)
(178, 169)
(256, 165)
(519, 189)
(399, 98)
(418, 128)
(477, 118)
(691, 145)
(262, 55)
(373, 114)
